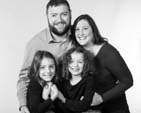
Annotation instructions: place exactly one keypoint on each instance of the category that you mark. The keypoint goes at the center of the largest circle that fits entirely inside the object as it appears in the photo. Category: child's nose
(47, 70)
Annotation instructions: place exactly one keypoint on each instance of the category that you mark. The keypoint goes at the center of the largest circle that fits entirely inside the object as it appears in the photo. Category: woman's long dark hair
(97, 39)
(35, 66)
(88, 68)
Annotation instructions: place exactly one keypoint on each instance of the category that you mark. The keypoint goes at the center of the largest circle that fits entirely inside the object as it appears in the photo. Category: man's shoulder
(42, 33)
(39, 36)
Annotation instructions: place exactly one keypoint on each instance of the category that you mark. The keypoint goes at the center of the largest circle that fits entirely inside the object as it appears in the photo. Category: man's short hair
(57, 3)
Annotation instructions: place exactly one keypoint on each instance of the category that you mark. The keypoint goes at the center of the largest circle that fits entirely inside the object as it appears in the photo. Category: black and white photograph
(70, 56)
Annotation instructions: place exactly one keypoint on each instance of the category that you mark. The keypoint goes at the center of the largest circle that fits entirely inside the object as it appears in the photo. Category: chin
(47, 80)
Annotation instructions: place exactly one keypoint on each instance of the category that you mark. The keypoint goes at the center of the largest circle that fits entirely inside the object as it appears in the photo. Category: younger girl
(41, 90)
(78, 85)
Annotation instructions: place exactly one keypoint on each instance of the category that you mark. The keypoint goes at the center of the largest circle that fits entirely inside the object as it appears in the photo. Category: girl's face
(76, 64)
(47, 69)
(84, 33)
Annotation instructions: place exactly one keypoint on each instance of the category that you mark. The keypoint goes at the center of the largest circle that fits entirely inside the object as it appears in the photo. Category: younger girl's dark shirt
(79, 96)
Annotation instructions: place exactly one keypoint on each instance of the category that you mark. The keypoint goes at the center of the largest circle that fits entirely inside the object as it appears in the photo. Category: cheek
(82, 66)
(67, 19)
(76, 34)
(40, 74)
(77, 37)
(51, 20)
(90, 35)
(53, 71)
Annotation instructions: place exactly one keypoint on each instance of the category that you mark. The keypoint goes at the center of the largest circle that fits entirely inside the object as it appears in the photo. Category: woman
(113, 77)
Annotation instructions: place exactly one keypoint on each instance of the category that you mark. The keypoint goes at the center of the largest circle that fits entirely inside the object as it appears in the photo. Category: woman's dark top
(35, 102)
(112, 80)
(79, 96)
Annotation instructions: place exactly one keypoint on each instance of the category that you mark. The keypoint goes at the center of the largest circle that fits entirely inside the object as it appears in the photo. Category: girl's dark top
(79, 96)
(112, 80)
(35, 102)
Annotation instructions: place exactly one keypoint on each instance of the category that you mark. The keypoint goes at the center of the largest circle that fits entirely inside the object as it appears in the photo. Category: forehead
(47, 61)
(58, 9)
(77, 55)
(82, 22)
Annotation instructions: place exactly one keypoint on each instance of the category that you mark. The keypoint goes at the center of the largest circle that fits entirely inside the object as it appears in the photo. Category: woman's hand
(97, 99)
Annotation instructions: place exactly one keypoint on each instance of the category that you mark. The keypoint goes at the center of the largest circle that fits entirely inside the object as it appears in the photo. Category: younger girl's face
(47, 69)
(76, 64)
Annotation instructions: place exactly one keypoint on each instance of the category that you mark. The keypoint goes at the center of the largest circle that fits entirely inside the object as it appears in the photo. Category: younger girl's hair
(35, 66)
(88, 69)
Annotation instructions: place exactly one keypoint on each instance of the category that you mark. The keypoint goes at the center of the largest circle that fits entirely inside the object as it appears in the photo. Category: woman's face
(47, 69)
(84, 33)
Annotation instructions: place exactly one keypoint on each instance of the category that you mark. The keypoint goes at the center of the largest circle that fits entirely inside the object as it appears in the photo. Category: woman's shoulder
(109, 47)
(108, 50)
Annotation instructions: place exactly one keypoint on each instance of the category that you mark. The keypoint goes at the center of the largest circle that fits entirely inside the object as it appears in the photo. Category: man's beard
(59, 33)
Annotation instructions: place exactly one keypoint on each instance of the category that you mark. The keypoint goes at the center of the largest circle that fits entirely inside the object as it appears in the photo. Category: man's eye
(65, 14)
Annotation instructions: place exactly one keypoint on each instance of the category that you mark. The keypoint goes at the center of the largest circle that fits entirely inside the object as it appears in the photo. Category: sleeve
(84, 104)
(35, 102)
(23, 78)
(117, 66)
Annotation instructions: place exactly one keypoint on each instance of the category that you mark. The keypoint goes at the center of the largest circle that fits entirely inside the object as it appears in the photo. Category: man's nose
(59, 19)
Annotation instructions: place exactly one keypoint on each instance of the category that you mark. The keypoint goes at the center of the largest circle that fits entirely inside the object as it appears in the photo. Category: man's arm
(23, 81)
(22, 88)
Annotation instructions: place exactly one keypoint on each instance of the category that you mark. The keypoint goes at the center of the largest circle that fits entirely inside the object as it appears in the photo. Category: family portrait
(73, 57)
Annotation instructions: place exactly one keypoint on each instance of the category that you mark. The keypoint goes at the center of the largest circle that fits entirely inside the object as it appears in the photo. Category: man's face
(59, 19)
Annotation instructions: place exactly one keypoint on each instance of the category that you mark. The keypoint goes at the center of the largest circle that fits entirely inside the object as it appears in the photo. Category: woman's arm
(117, 66)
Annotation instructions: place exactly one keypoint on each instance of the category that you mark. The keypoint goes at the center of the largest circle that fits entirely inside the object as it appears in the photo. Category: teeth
(75, 69)
(82, 38)
(60, 25)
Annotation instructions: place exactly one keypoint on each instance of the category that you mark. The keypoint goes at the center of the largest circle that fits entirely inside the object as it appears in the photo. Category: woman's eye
(86, 28)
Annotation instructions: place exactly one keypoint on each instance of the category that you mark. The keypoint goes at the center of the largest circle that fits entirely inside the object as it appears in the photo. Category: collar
(50, 38)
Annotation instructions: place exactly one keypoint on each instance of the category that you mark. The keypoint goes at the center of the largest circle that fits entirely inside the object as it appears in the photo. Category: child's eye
(42, 67)
(81, 62)
(76, 29)
(52, 66)
(71, 61)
